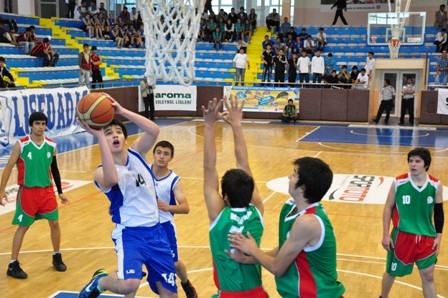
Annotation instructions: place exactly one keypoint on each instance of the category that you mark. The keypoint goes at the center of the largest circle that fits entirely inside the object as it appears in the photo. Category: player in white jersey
(127, 180)
(171, 200)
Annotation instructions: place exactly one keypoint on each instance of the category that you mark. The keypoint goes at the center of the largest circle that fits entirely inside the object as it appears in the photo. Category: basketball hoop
(394, 46)
(171, 28)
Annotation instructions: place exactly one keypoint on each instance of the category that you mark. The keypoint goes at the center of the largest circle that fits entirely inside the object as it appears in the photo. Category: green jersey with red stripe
(228, 274)
(34, 162)
(414, 205)
(313, 272)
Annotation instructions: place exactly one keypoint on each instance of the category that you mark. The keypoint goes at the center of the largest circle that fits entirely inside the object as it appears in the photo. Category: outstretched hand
(95, 132)
(234, 114)
(212, 112)
(245, 244)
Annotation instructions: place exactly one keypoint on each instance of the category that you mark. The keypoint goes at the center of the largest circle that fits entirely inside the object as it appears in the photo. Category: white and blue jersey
(133, 200)
(139, 238)
(165, 193)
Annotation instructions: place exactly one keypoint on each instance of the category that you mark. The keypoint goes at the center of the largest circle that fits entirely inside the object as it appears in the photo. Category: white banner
(175, 98)
(58, 104)
(358, 5)
(442, 102)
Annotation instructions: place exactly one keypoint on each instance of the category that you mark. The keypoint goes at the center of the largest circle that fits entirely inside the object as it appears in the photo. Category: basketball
(96, 110)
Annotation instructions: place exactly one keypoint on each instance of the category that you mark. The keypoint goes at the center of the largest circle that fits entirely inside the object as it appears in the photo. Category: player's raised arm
(234, 117)
(213, 200)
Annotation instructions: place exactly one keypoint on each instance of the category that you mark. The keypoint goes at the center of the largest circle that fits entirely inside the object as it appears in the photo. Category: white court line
(392, 127)
(308, 133)
(269, 197)
(344, 150)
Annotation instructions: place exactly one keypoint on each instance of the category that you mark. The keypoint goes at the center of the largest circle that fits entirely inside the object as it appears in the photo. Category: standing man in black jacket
(340, 5)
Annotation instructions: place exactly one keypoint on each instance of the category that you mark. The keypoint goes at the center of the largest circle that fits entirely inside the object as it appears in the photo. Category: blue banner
(58, 104)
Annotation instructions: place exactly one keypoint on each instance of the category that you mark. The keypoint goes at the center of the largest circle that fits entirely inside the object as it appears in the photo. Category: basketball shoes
(15, 271)
(91, 289)
(58, 264)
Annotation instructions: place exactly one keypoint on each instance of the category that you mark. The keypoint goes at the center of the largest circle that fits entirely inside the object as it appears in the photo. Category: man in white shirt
(303, 64)
(370, 64)
(321, 38)
(440, 42)
(318, 67)
(240, 61)
(407, 101)
(362, 81)
(308, 45)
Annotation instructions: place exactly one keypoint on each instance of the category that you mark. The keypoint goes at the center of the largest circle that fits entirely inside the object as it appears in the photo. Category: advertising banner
(442, 103)
(264, 99)
(58, 104)
(175, 98)
(359, 5)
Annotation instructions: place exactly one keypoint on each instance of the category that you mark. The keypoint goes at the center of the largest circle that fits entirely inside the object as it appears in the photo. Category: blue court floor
(64, 294)
(379, 135)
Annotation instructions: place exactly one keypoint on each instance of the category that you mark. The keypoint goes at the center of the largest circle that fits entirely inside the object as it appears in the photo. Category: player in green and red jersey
(239, 209)
(304, 263)
(35, 157)
(413, 200)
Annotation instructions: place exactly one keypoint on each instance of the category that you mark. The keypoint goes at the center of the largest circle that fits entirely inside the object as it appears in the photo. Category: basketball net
(397, 29)
(171, 28)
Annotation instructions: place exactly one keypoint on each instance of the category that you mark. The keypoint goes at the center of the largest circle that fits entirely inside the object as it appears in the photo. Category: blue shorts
(136, 246)
(170, 230)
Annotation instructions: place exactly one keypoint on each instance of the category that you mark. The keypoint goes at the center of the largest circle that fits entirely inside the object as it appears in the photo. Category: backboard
(380, 24)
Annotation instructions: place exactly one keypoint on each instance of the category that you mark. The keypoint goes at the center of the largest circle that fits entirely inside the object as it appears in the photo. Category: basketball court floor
(364, 159)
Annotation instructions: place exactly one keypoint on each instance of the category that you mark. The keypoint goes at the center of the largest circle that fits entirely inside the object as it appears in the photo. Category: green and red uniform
(313, 272)
(36, 198)
(231, 278)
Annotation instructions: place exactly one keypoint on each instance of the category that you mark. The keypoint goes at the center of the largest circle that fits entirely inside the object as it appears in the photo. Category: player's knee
(54, 224)
(130, 286)
(427, 276)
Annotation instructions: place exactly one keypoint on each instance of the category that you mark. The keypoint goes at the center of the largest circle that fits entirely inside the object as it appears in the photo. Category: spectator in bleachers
(442, 68)
(247, 30)
(139, 37)
(344, 77)
(318, 67)
(441, 39)
(233, 16)
(6, 36)
(298, 46)
(133, 16)
(303, 34)
(278, 45)
(208, 6)
(308, 45)
(4, 73)
(217, 39)
(85, 65)
(354, 74)
(340, 5)
(110, 22)
(82, 10)
(330, 64)
(92, 8)
(289, 112)
(71, 4)
(253, 18)
(284, 28)
(105, 28)
(125, 35)
(292, 70)
(202, 30)
(268, 61)
(241, 44)
(267, 40)
(45, 51)
(293, 33)
(441, 18)
(273, 20)
(239, 30)
(223, 14)
(97, 27)
(11, 23)
(95, 61)
(88, 25)
(289, 46)
(304, 67)
(321, 39)
(242, 15)
(332, 79)
(370, 64)
(241, 62)
(211, 25)
(229, 30)
(132, 34)
(125, 15)
(362, 81)
(102, 9)
(26, 39)
(280, 64)
(115, 35)
(221, 25)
